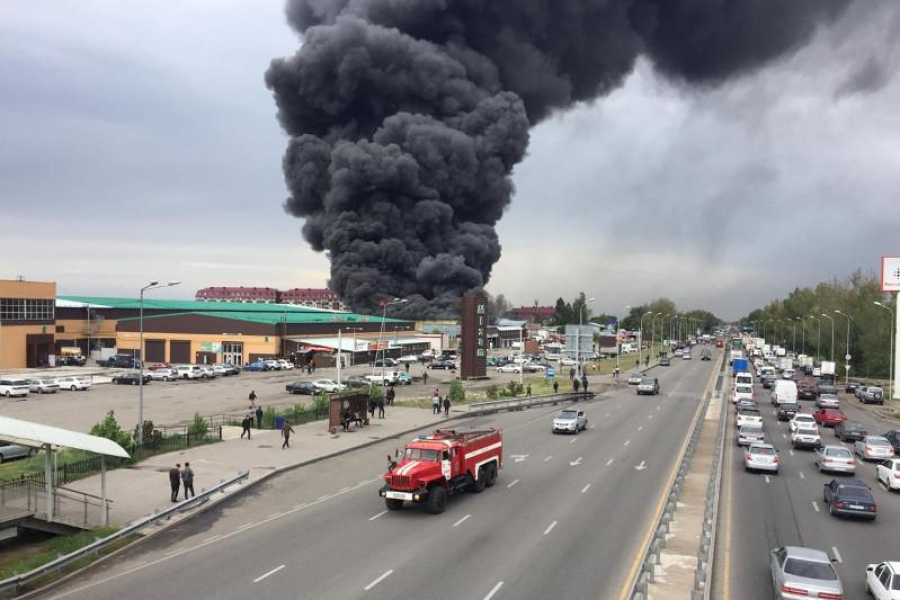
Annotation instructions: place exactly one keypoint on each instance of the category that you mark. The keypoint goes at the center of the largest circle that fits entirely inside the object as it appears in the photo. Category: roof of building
(35, 435)
(180, 305)
(277, 317)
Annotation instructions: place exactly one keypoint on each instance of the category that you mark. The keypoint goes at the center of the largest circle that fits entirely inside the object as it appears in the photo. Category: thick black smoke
(406, 117)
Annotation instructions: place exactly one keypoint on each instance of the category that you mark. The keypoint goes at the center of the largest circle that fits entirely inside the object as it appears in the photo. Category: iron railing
(492, 406)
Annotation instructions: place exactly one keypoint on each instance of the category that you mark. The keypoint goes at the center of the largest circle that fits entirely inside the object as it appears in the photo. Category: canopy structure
(36, 435)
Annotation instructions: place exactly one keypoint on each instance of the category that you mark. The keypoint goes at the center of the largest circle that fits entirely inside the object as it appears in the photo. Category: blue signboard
(551, 372)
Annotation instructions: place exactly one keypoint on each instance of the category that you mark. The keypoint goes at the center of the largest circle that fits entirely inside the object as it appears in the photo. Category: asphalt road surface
(565, 520)
(788, 509)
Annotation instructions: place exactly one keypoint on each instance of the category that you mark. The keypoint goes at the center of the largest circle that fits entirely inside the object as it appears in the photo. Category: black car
(851, 386)
(121, 361)
(664, 361)
(767, 382)
(850, 430)
(71, 361)
(357, 381)
(850, 498)
(442, 363)
(386, 362)
(893, 437)
(130, 379)
(302, 387)
(787, 410)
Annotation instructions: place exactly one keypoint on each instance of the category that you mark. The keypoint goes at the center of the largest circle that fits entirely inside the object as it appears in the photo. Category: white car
(208, 372)
(284, 365)
(817, 372)
(806, 438)
(742, 392)
(804, 421)
(787, 374)
(748, 417)
(761, 457)
(163, 375)
(273, 364)
(686, 355)
(409, 358)
(634, 378)
(883, 581)
(571, 420)
(567, 362)
(743, 378)
(888, 473)
(828, 401)
(509, 368)
(73, 383)
(13, 386)
(329, 385)
(189, 371)
(43, 386)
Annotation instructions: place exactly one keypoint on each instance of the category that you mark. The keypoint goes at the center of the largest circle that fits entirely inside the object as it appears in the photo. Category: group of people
(179, 476)
(437, 403)
(254, 410)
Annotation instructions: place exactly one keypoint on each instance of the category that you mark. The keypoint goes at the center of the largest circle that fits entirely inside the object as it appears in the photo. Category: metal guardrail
(492, 406)
(16, 582)
(638, 586)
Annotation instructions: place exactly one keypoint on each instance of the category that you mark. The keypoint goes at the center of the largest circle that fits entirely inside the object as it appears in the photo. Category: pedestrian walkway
(139, 490)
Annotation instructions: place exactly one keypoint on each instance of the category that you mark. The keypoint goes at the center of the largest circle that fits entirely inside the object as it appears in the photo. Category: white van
(14, 386)
(189, 371)
(784, 390)
(743, 378)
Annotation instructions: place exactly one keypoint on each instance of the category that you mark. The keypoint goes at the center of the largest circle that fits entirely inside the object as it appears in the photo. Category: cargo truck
(740, 365)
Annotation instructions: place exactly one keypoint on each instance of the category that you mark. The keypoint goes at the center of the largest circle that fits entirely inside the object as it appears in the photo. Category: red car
(159, 365)
(720, 344)
(829, 417)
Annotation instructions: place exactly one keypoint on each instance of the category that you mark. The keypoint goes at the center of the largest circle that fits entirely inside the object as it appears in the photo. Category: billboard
(474, 336)
(890, 273)
(581, 336)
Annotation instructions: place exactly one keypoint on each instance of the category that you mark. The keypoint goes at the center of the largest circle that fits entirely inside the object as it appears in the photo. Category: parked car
(385, 362)
(635, 378)
(73, 383)
(121, 361)
(873, 447)
(648, 385)
(357, 381)
(404, 379)
(302, 387)
(408, 358)
(443, 363)
(10, 451)
(850, 430)
(509, 368)
(208, 372)
(131, 378)
(329, 385)
(836, 459)
(14, 386)
(829, 417)
(164, 375)
(571, 420)
(828, 401)
(787, 410)
(256, 366)
(851, 386)
(285, 365)
(159, 365)
(43, 386)
(189, 372)
(567, 362)
(883, 580)
(888, 473)
(805, 438)
(761, 457)
(750, 434)
(273, 364)
(872, 395)
(850, 498)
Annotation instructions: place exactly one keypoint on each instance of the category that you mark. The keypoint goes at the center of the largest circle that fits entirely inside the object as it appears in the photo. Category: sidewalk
(139, 490)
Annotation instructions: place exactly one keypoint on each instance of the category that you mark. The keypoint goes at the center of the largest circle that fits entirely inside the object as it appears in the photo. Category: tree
(457, 394)
(109, 428)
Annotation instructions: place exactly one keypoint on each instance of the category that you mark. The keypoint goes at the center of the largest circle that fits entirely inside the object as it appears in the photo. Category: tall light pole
(641, 344)
(818, 335)
(891, 355)
(140, 429)
(618, 343)
(393, 302)
(847, 356)
(832, 334)
(579, 370)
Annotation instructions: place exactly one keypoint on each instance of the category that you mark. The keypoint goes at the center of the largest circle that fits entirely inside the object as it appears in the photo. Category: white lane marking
(264, 575)
(384, 576)
(592, 426)
(550, 528)
(175, 551)
(837, 555)
(649, 416)
(792, 452)
(548, 458)
(321, 498)
(576, 462)
(211, 539)
(494, 590)
(802, 476)
(573, 440)
(344, 490)
(512, 483)
(609, 462)
(658, 406)
(585, 488)
(641, 428)
(768, 480)
(244, 526)
(382, 513)
(461, 521)
(784, 435)
(273, 516)
(816, 506)
(627, 442)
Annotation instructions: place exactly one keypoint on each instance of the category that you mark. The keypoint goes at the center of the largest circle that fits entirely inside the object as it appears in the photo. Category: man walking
(259, 416)
(555, 387)
(575, 385)
(616, 372)
(252, 397)
(175, 481)
(584, 383)
(436, 402)
(528, 390)
(447, 406)
(381, 408)
(425, 378)
(246, 423)
(187, 478)
(286, 432)
(391, 394)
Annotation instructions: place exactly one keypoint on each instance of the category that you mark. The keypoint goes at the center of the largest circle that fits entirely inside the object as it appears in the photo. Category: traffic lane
(799, 515)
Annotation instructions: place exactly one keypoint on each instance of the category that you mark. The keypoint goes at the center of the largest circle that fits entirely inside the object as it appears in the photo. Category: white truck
(786, 363)
(827, 368)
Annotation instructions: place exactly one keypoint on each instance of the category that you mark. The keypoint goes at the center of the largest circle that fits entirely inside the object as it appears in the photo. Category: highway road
(760, 513)
(566, 519)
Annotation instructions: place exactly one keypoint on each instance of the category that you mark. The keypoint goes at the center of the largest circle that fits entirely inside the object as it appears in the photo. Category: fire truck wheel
(392, 504)
(490, 476)
(437, 500)
(478, 485)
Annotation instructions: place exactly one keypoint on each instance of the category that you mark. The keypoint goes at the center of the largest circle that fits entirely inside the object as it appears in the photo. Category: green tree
(457, 394)
(198, 428)
(109, 428)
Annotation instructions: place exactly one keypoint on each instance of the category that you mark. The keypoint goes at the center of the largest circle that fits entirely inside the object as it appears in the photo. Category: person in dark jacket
(187, 478)
(555, 387)
(286, 432)
(252, 396)
(584, 383)
(246, 424)
(447, 406)
(259, 416)
(381, 408)
(175, 481)
(575, 385)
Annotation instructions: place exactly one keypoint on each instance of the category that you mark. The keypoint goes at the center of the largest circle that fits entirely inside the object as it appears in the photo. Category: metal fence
(69, 506)
(493, 406)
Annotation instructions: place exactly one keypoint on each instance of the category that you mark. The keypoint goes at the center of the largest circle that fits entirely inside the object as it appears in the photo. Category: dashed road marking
(641, 428)
(792, 452)
(175, 551)
(837, 555)
(264, 575)
(273, 516)
(211, 539)
(461, 521)
(802, 476)
(384, 576)
(585, 488)
(494, 590)
(573, 440)
(609, 462)
(784, 435)
(321, 498)
(550, 528)
(512, 483)
(627, 442)
(815, 506)
(382, 513)
(244, 526)
(768, 480)
(548, 458)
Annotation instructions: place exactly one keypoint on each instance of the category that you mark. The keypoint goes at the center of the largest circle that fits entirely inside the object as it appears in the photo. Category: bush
(457, 394)
(321, 403)
(493, 392)
(198, 427)
(376, 393)
(269, 418)
(515, 388)
(109, 428)
(148, 433)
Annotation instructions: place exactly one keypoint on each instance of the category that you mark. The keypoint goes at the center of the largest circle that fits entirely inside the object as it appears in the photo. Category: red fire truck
(445, 462)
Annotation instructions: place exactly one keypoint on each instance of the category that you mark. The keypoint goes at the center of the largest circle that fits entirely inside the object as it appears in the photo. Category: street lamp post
(393, 302)
(619, 343)
(578, 370)
(891, 355)
(818, 335)
(641, 344)
(832, 334)
(140, 428)
(847, 356)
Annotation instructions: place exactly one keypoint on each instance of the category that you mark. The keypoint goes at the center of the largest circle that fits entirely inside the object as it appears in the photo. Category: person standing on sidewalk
(436, 402)
(425, 378)
(286, 432)
(259, 416)
(616, 372)
(447, 406)
(528, 390)
(381, 408)
(175, 481)
(575, 384)
(187, 478)
(246, 423)
(584, 383)
(555, 387)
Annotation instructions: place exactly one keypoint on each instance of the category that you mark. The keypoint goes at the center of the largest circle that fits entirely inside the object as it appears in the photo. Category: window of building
(25, 309)
(60, 329)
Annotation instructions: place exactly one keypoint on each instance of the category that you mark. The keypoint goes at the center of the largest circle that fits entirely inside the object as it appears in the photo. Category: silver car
(570, 420)
(801, 573)
(873, 447)
(163, 374)
(828, 401)
(836, 459)
(9, 451)
(749, 434)
(761, 457)
(43, 386)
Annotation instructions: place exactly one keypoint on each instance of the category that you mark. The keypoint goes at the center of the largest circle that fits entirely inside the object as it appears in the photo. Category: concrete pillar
(104, 506)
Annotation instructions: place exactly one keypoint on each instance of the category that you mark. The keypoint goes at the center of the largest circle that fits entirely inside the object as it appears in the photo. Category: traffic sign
(847, 357)
(551, 372)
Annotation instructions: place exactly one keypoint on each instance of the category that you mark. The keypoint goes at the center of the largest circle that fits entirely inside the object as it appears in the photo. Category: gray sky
(139, 142)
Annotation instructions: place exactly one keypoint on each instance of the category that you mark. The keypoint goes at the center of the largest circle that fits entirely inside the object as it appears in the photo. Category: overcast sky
(139, 142)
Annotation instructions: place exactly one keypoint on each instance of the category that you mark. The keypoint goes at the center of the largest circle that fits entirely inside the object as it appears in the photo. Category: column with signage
(474, 336)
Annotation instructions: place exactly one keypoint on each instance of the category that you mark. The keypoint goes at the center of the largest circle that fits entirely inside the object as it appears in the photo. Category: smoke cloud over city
(406, 117)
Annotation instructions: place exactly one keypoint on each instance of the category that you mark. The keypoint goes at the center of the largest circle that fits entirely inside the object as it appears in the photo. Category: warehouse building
(27, 323)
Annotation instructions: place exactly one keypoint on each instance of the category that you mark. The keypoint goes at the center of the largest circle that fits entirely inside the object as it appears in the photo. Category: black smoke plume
(406, 117)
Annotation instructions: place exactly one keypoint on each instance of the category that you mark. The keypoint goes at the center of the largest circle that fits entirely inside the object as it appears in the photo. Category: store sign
(211, 347)
(474, 336)
(890, 273)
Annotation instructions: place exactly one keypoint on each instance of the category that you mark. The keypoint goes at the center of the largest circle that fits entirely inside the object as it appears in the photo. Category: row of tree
(807, 320)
